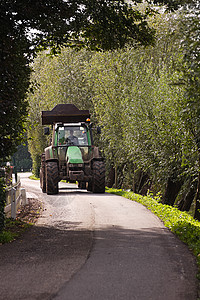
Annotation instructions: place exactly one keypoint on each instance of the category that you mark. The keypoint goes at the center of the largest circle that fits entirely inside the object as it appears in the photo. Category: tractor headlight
(80, 165)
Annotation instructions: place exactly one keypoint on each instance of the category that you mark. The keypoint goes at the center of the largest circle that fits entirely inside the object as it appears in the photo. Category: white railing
(15, 197)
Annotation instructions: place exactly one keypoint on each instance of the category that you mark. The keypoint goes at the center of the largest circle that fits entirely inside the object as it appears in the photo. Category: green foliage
(100, 16)
(33, 177)
(180, 223)
(190, 75)
(12, 230)
(36, 165)
(190, 79)
(139, 110)
(21, 160)
(6, 237)
(13, 107)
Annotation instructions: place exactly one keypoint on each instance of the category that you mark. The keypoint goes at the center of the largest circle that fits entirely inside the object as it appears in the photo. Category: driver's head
(71, 132)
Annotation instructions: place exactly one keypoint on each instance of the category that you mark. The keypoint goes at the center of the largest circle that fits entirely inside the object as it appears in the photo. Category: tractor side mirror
(98, 130)
(91, 125)
(46, 131)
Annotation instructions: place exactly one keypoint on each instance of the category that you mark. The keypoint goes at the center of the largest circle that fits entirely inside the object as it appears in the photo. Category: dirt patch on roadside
(30, 212)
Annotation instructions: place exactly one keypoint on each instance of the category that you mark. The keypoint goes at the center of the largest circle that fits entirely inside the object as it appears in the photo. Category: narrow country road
(95, 247)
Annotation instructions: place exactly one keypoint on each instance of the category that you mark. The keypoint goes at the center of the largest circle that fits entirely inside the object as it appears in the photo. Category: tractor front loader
(71, 155)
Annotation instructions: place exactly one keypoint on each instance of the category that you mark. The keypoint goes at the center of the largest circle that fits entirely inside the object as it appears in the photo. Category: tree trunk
(197, 197)
(187, 200)
(171, 192)
(143, 187)
(197, 210)
(111, 177)
(116, 181)
(2, 199)
(133, 184)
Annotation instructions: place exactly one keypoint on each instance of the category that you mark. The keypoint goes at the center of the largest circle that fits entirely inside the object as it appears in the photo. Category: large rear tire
(52, 178)
(42, 174)
(98, 183)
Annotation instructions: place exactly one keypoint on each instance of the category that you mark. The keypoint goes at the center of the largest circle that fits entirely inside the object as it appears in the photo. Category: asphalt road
(95, 247)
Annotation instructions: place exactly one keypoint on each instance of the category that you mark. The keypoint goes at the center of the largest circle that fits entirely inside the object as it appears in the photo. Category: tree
(22, 158)
(138, 110)
(99, 24)
(190, 78)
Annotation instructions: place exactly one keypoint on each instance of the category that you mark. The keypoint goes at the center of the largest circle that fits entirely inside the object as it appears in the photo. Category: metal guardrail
(15, 197)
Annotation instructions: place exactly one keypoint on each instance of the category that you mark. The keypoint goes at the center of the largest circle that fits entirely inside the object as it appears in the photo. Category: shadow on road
(38, 264)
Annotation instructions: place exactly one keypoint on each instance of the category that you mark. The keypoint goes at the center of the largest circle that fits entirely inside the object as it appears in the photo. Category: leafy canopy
(27, 26)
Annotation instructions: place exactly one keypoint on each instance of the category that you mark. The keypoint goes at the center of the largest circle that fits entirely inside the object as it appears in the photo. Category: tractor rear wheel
(98, 183)
(42, 174)
(52, 178)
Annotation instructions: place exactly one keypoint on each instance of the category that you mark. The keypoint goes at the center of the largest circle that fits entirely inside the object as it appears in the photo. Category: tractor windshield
(73, 135)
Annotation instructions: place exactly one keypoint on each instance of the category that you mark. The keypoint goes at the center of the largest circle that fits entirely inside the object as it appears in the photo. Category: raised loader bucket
(64, 113)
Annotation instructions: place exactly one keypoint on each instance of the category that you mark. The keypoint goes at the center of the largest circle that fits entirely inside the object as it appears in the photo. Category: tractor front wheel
(52, 178)
(98, 183)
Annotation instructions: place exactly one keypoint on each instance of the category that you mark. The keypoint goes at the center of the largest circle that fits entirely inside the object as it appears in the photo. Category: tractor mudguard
(51, 153)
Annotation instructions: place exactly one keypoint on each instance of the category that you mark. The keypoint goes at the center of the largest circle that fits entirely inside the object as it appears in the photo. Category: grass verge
(180, 223)
(26, 217)
(13, 229)
(33, 177)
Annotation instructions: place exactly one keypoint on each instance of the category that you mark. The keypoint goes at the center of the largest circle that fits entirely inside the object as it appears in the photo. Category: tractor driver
(72, 138)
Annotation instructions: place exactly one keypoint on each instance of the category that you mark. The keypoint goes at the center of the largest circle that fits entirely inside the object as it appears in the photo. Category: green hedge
(180, 223)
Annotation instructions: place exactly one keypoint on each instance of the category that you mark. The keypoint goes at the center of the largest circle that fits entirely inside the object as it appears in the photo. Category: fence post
(13, 203)
(24, 199)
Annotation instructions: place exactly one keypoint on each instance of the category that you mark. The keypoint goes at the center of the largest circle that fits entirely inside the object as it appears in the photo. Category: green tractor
(72, 155)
